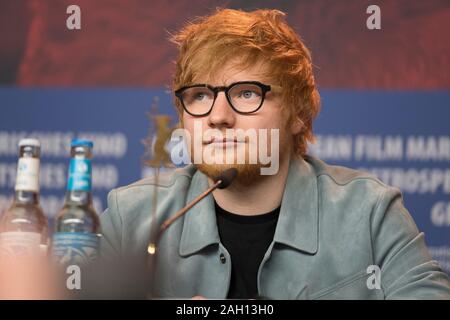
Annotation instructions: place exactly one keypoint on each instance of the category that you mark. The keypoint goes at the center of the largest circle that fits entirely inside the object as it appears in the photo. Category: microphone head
(226, 178)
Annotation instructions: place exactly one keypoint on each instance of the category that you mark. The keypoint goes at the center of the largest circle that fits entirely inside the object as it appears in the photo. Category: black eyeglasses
(244, 97)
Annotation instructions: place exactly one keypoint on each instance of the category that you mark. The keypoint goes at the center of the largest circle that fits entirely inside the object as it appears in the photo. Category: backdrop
(385, 93)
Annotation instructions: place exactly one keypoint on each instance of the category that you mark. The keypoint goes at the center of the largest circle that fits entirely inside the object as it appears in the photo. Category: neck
(259, 198)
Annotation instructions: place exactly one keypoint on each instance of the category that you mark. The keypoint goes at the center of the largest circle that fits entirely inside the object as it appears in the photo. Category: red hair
(208, 43)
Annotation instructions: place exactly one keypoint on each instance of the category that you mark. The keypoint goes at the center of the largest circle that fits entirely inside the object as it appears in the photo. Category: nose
(221, 115)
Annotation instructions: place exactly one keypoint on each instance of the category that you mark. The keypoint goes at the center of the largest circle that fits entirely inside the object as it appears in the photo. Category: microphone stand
(182, 211)
(223, 181)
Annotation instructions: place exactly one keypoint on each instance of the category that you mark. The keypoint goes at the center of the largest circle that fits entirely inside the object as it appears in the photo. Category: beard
(247, 173)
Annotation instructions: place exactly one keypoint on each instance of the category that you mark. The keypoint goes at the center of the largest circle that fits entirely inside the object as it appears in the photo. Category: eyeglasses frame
(226, 89)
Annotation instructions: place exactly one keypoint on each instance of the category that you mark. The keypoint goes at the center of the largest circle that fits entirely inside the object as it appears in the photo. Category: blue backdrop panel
(403, 137)
(116, 120)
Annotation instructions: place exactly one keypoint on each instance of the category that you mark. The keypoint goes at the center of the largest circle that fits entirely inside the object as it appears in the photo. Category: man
(307, 230)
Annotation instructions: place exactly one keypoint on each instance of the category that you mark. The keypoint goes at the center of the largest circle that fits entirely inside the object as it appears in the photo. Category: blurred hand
(30, 277)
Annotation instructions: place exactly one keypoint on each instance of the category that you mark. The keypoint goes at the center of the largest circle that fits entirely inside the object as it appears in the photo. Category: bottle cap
(29, 142)
(81, 143)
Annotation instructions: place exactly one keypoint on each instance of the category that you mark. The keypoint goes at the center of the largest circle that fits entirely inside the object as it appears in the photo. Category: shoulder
(344, 179)
(354, 195)
(125, 223)
(135, 196)
(165, 179)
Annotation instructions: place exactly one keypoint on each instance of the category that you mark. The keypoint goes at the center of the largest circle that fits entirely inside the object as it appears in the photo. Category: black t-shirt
(247, 239)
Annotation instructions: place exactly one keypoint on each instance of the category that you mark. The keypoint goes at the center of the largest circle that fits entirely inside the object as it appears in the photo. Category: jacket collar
(200, 226)
(297, 224)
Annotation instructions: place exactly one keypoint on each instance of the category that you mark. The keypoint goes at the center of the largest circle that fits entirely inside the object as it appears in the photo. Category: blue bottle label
(79, 175)
(75, 247)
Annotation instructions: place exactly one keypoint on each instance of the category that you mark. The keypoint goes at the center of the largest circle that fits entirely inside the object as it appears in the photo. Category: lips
(222, 141)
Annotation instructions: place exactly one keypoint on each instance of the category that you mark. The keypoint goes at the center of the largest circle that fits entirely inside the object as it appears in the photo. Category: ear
(296, 126)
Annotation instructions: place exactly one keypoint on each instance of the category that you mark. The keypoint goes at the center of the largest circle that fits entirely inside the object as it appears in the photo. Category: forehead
(234, 71)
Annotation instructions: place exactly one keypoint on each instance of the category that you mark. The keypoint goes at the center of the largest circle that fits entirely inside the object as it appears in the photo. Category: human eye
(198, 95)
(248, 94)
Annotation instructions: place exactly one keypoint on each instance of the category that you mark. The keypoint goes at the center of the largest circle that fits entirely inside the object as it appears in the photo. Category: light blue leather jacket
(335, 227)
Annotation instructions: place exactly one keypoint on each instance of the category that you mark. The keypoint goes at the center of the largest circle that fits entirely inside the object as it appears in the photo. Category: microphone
(226, 177)
(222, 181)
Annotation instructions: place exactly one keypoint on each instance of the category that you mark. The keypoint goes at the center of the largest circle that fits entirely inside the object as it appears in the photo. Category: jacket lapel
(200, 227)
(298, 223)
